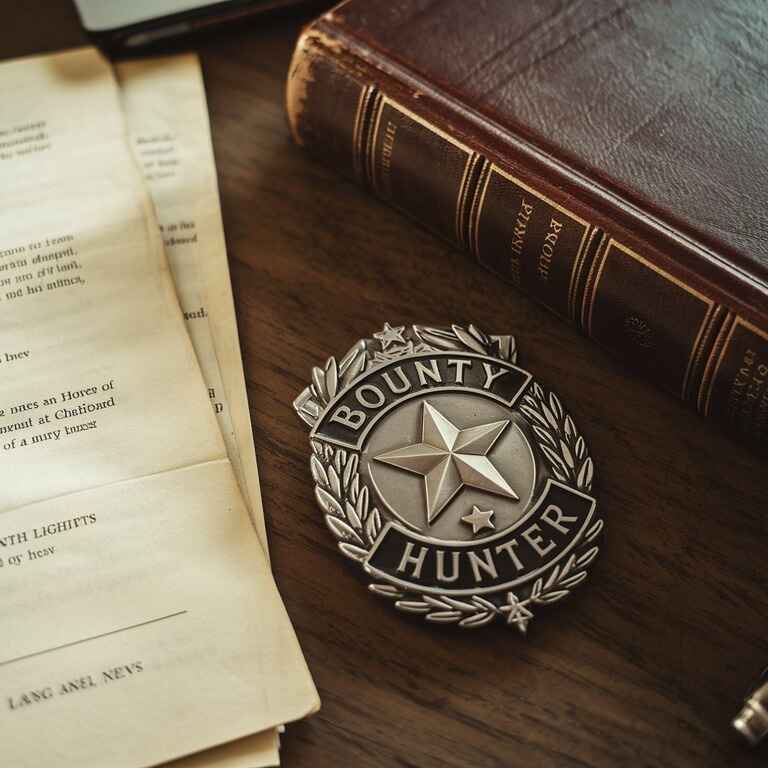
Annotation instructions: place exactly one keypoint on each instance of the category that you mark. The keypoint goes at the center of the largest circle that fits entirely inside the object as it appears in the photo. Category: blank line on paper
(92, 637)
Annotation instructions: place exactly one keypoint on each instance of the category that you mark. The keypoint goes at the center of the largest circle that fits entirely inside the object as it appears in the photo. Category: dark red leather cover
(634, 135)
(665, 103)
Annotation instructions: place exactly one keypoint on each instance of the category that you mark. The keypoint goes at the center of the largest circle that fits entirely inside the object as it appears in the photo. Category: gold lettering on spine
(529, 197)
(747, 382)
(472, 158)
(518, 239)
(747, 386)
(548, 248)
(387, 148)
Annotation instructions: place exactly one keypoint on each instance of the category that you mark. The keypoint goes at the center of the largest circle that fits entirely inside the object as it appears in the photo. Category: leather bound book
(609, 159)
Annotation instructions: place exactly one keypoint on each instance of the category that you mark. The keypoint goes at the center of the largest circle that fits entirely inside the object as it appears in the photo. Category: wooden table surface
(643, 666)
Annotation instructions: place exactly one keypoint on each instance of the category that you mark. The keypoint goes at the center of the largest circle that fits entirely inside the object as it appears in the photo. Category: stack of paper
(141, 620)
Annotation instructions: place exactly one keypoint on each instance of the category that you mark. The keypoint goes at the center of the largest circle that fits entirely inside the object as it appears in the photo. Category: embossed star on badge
(389, 335)
(450, 458)
(516, 613)
(479, 519)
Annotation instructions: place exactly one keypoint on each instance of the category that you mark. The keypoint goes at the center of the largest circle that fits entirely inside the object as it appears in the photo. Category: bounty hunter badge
(459, 483)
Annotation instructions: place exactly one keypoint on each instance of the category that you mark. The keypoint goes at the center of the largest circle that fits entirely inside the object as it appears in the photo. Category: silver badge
(459, 483)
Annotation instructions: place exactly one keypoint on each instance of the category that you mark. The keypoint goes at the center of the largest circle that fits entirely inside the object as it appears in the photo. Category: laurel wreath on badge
(356, 523)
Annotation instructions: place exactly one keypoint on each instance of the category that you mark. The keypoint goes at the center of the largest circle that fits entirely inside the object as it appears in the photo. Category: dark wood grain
(646, 664)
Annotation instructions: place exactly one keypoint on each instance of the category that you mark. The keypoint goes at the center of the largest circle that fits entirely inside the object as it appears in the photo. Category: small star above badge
(479, 519)
(389, 335)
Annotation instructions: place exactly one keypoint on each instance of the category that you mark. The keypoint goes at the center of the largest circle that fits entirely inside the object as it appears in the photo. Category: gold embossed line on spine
(714, 362)
(467, 197)
(361, 130)
(695, 349)
(368, 141)
(595, 241)
(477, 207)
(703, 353)
(590, 287)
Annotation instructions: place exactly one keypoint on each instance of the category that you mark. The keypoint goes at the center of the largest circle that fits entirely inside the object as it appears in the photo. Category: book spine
(632, 288)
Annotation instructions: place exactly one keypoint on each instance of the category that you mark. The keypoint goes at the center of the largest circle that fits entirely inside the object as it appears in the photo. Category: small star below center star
(389, 335)
(479, 519)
